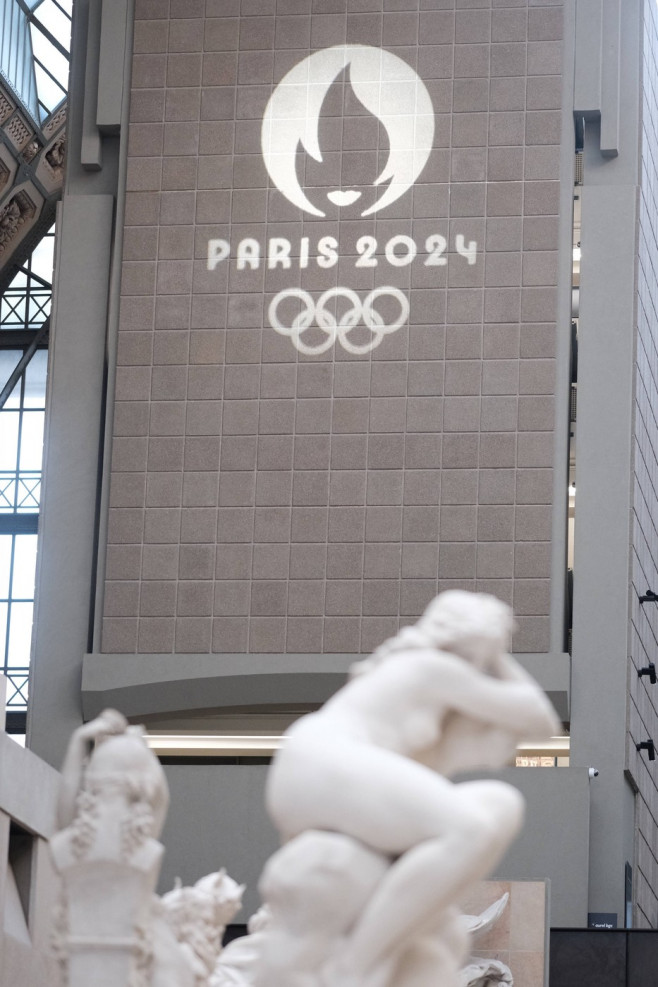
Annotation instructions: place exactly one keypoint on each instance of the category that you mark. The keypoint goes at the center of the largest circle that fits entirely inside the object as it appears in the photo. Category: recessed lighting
(208, 744)
(556, 745)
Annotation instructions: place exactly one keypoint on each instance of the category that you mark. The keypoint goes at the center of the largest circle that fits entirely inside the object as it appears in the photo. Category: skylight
(35, 37)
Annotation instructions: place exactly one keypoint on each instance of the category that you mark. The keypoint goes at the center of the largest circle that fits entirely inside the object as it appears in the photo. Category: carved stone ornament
(56, 121)
(363, 892)
(4, 174)
(13, 215)
(50, 165)
(31, 151)
(18, 132)
(56, 155)
(6, 107)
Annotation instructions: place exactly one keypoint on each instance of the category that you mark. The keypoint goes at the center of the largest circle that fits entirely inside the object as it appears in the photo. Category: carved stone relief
(32, 160)
(8, 169)
(55, 156)
(4, 174)
(56, 121)
(14, 215)
(6, 107)
(18, 131)
(51, 164)
(31, 151)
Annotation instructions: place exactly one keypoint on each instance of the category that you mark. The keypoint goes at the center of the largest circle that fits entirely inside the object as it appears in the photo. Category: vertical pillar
(74, 409)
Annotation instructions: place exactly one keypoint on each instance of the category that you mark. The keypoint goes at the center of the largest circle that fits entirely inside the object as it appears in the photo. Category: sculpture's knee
(493, 819)
(455, 935)
(507, 809)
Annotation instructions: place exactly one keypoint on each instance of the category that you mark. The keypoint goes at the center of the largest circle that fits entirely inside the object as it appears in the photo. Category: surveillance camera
(593, 772)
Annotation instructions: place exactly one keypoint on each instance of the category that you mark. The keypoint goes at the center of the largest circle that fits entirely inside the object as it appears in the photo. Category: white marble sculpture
(197, 916)
(112, 806)
(486, 973)
(480, 972)
(111, 930)
(378, 843)
(238, 962)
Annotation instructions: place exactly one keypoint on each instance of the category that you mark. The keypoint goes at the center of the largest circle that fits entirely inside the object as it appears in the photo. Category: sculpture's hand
(514, 702)
(547, 722)
(110, 722)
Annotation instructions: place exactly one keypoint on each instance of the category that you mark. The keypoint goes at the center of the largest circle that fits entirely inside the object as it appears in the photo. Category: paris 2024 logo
(393, 93)
(385, 85)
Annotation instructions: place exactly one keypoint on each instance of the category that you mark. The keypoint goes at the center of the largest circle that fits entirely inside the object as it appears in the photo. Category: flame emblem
(384, 84)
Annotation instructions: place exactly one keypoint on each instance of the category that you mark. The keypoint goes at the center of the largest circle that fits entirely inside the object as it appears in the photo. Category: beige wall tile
(269, 500)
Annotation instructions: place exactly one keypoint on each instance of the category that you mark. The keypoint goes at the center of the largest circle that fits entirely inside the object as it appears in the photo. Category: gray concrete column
(68, 513)
(602, 530)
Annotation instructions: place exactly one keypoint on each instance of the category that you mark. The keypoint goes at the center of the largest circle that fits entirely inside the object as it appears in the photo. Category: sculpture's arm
(515, 704)
(71, 780)
(467, 744)
(509, 670)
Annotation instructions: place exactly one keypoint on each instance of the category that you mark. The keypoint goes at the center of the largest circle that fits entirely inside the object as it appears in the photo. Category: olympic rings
(337, 328)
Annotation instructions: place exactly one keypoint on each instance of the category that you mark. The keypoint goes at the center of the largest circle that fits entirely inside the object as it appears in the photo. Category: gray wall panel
(156, 684)
(554, 842)
(604, 462)
(217, 819)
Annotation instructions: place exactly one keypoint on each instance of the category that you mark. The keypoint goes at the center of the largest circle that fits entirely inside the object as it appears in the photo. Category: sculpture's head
(475, 626)
(225, 893)
(122, 764)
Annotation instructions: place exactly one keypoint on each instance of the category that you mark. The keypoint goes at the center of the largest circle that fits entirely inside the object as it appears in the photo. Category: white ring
(300, 323)
(369, 312)
(291, 293)
(334, 327)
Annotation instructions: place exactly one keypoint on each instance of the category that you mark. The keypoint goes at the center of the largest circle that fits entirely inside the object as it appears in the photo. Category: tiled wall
(266, 500)
(643, 711)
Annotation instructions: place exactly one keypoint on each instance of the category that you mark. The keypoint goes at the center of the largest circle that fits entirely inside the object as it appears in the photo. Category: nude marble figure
(372, 767)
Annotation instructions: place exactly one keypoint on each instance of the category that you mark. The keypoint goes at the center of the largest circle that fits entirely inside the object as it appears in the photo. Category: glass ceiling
(35, 37)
